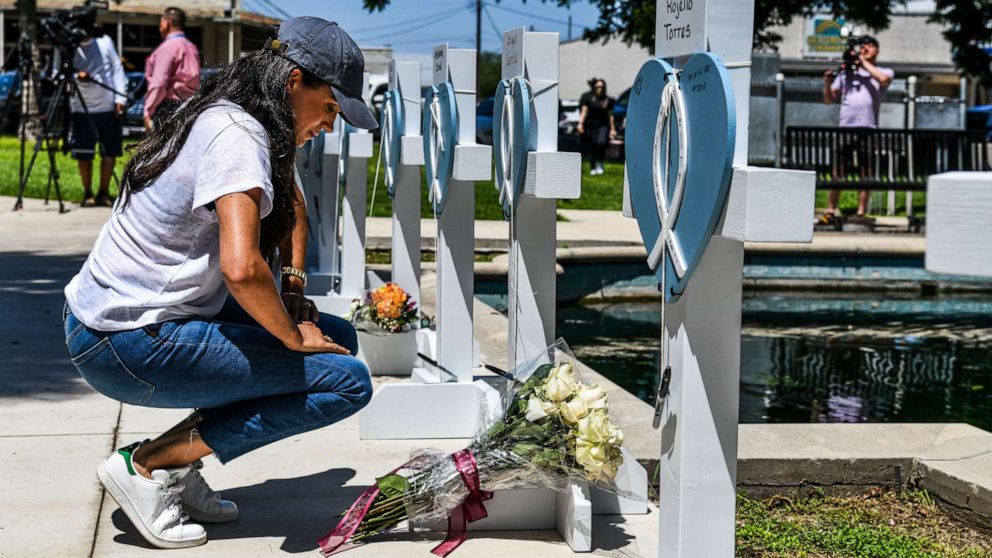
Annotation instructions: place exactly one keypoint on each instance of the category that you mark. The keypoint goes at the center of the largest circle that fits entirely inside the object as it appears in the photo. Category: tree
(968, 30)
(28, 21)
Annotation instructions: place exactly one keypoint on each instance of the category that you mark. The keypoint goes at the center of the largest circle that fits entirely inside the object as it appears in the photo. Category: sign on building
(823, 37)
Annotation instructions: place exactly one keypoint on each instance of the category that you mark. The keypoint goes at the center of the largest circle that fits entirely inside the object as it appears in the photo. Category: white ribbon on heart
(671, 99)
(386, 142)
(436, 140)
(505, 141)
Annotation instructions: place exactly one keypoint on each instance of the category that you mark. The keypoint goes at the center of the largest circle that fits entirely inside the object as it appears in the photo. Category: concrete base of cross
(334, 304)
(569, 512)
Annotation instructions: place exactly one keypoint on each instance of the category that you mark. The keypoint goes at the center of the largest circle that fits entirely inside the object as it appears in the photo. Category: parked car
(620, 112)
(484, 120)
(568, 120)
(134, 116)
(7, 80)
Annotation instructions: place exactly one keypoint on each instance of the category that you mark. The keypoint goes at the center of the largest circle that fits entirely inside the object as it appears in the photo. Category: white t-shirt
(159, 258)
(99, 59)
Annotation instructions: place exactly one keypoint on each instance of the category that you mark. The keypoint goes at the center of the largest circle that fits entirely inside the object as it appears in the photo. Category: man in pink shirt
(172, 72)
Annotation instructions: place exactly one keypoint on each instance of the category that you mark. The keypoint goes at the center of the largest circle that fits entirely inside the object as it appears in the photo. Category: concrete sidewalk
(55, 429)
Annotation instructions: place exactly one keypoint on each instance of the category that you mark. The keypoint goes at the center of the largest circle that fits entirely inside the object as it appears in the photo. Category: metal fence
(882, 159)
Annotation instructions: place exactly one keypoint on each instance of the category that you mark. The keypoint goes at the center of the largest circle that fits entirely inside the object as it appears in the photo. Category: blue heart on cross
(343, 153)
(439, 129)
(393, 124)
(679, 147)
(511, 137)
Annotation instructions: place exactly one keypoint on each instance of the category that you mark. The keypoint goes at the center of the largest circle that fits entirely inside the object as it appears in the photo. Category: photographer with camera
(858, 86)
(101, 84)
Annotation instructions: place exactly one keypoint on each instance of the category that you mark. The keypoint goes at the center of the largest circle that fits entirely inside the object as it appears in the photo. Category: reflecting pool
(805, 357)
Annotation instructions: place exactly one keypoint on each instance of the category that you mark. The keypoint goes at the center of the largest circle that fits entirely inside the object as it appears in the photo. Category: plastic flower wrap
(385, 310)
(554, 429)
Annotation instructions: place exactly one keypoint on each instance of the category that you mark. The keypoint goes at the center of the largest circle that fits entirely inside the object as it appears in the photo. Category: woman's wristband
(295, 272)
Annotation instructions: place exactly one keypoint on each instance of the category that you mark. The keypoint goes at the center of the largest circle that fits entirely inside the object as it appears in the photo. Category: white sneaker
(201, 502)
(153, 504)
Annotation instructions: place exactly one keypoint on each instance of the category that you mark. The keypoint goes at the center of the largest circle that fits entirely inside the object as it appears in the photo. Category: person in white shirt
(96, 117)
(176, 305)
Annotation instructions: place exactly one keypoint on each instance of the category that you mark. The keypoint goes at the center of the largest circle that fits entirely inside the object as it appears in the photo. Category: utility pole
(478, 43)
(569, 27)
(28, 21)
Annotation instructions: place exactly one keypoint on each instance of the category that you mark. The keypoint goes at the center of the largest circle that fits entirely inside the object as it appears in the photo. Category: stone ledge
(952, 461)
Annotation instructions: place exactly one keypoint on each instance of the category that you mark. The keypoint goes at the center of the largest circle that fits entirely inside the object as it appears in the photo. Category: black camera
(852, 52)
(68, 28)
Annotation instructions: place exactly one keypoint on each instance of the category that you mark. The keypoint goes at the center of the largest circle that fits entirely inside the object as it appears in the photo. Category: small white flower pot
(388, 355)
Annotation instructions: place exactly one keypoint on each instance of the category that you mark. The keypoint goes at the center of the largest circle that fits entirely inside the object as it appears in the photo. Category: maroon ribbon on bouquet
(339, 539)
(472, 509)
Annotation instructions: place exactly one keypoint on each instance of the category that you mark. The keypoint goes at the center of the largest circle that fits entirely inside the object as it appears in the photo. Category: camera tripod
(54, 121)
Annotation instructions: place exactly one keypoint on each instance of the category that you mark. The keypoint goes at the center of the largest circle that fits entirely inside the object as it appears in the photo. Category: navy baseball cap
(325, 50)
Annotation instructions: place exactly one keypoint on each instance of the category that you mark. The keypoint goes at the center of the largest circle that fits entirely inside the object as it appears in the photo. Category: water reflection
(821, 360)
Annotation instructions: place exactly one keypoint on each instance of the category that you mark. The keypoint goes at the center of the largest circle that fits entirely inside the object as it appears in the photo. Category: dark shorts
(83, 138)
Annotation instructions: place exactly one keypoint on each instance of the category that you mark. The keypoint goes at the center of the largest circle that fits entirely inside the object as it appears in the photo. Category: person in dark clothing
(596, 124)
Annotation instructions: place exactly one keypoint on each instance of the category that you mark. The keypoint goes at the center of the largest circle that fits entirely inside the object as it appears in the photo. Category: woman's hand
(312, 340)
(300, 308)
(580, 128)
(613, 134)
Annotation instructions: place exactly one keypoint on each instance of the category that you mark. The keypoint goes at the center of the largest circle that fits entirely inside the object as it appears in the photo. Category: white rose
(538, 409)
(597, 427)
(594, 396)
(561, 383)
(595, 460)
(573, 410)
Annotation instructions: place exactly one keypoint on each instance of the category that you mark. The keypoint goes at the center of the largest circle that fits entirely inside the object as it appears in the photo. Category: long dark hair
(257, 83)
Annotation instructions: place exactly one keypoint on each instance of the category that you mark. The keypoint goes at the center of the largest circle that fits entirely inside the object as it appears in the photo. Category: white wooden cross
(445, 401)
(340, 275)
(404, 82)
(699, 422)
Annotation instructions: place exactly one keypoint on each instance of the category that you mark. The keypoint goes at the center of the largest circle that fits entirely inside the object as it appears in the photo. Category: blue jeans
(250, 389)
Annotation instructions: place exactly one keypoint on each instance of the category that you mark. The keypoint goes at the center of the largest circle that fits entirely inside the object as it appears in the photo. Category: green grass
(72, 187)
(849, 202)
(598, 192)
(877, 525)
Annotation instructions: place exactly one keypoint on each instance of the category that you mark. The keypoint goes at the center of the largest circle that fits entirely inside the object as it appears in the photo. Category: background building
(220, 28)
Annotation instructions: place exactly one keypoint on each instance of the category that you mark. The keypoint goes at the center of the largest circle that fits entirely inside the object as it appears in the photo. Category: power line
(255, 7)
(277, 9)
(411, 30)
(492, 21)
(436, 41)
(406, 22)
(544, 18)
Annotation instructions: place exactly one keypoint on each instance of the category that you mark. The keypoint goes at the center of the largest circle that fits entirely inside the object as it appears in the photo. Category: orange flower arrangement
(387, 308)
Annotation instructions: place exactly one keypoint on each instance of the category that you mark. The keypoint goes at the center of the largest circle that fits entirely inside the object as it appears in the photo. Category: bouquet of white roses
(555, 428)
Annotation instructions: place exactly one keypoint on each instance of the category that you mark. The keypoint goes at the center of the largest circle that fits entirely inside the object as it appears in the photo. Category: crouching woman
(176, 306)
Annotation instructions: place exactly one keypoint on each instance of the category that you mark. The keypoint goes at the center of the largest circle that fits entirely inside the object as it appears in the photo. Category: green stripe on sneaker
(126, 452)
